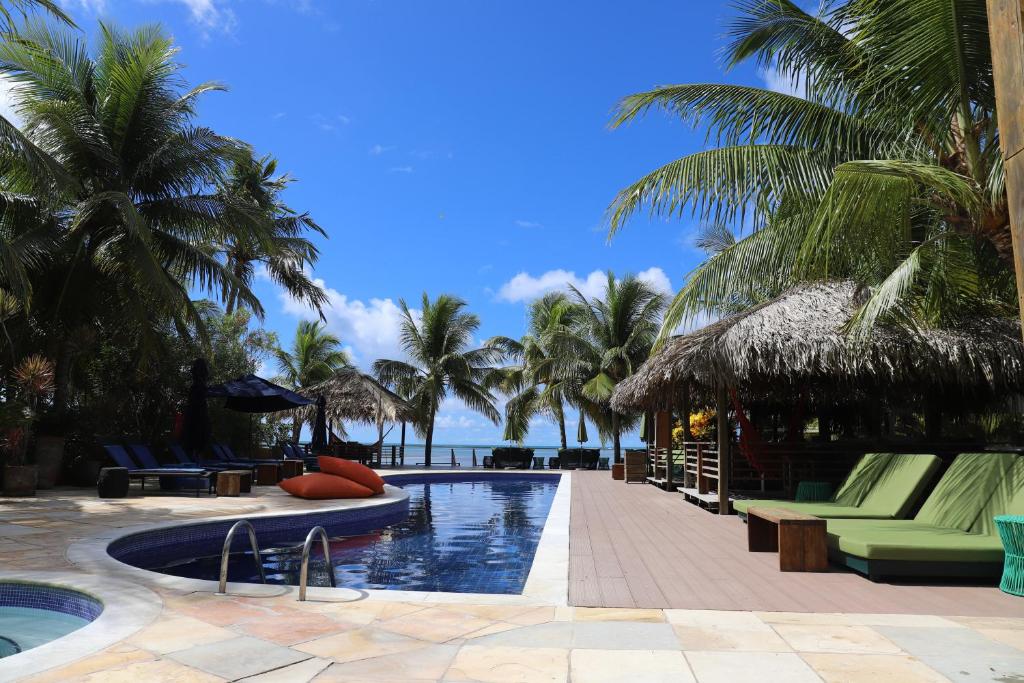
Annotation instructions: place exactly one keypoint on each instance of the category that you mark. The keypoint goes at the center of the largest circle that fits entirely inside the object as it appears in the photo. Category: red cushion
(319, 486)
(360, 474)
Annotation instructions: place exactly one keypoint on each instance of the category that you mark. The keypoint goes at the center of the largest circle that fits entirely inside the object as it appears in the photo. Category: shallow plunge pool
(461, 533)
(32, 614)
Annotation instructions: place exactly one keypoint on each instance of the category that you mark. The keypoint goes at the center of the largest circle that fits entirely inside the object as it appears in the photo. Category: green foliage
(883, 167)
(440, 362)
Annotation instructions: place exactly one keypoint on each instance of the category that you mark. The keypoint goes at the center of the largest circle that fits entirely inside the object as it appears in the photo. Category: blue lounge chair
(182, 457)
(119, 455)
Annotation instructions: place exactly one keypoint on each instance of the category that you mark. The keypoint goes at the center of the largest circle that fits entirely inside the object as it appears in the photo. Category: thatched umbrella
(355, 396)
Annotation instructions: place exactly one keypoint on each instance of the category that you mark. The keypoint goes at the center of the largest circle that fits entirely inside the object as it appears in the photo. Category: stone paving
(203, 637)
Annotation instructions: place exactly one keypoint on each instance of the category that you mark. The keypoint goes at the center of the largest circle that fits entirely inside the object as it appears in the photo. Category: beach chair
(195, 475)
(880, 486)
(954, 533)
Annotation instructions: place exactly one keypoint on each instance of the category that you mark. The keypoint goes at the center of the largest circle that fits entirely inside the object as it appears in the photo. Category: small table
(233, 482)
(292, 468)
(798, 538)
(268, 474)
(1011, 531)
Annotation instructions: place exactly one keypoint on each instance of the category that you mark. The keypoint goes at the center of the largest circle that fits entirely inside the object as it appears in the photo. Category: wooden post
(702, 483)
(722, 409)
(684, 419)
(1006, 36)
(663, 444)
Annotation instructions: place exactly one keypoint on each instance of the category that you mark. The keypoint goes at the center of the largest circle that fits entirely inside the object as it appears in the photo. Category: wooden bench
(798, 538)
(234, 482)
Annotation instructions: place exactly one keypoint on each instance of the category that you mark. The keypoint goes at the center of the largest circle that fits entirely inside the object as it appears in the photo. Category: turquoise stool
(1011, 531)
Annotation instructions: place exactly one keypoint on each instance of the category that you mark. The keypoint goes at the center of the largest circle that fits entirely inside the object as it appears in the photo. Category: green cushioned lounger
(880, 486)
(953, 534)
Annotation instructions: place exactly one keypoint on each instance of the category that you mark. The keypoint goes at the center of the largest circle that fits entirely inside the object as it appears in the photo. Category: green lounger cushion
(912, 541)
(885, 486)
(955, 523)
(964, 490)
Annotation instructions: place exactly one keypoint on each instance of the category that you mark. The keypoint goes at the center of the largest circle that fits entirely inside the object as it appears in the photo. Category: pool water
(22, 628)
(474, 536)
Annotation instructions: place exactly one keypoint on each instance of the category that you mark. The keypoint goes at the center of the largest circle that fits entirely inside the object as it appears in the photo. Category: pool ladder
(225, 556)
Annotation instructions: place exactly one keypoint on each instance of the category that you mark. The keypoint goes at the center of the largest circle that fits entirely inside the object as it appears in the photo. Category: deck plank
(640, 546)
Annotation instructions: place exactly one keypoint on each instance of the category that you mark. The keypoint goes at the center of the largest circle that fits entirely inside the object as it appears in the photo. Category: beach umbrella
(252, 394)
(319, 441)
(644, 427)
(195, 433)
(581, 438)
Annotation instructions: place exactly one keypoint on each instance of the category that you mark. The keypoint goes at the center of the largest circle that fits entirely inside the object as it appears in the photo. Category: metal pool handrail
(306, 547)
(225, 554)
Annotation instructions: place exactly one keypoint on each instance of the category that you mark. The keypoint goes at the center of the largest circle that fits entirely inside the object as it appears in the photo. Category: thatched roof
(798, 338)
(355, 396)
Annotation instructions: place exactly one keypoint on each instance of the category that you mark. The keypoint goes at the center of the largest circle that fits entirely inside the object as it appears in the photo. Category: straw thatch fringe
(356, 396)
(799, 338)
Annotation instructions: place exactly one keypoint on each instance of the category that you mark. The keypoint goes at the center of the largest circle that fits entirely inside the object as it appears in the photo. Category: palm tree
(885, 167)
(531, 383)
(13, 10)
(612, 338)
(112, 176)
(314, 357)
(440, 362)
(251, 190)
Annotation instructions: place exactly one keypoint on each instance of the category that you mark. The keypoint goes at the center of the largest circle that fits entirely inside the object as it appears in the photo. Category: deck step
(708, 501)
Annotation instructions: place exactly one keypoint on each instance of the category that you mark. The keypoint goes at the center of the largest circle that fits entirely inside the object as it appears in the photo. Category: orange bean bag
(320, 486)
(360, 474)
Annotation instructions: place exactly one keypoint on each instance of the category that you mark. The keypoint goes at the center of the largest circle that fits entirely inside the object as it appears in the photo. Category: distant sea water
(441, 454)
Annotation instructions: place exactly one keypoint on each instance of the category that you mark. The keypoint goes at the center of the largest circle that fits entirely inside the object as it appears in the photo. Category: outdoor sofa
(954, 533)
(880, 486)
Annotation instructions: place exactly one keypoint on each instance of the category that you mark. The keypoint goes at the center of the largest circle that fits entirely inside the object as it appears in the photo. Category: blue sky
(450, 146)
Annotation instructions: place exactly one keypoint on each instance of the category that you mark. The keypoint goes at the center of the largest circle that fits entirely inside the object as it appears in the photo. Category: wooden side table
(234, 482)
(798, 538)
(268, 474)
(292, 468)
(636, 468)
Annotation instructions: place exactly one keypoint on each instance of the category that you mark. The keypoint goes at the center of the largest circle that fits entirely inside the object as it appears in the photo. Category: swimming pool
(34, 614)
(463, 533)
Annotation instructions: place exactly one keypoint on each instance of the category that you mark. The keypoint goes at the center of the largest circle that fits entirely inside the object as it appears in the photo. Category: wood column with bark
(1006, 36)
(722, 412)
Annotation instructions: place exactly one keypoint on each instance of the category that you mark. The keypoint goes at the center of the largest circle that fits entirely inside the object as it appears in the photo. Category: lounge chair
(182, 457)
(880, 486)
(200, 476)
(954, 533)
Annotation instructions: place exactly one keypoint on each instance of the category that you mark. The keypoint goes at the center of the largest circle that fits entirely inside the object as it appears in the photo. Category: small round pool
(32, 614)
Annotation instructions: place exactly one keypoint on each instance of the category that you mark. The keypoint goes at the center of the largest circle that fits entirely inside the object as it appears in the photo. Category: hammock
(751, 445)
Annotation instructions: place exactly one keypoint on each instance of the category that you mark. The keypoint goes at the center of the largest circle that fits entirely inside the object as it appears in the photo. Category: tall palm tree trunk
(616, 440)
(401, 446)
(561, 430)
(296, 426)
(430, 438)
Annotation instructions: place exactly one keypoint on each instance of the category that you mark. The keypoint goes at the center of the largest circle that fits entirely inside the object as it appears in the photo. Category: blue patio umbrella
(253, 394)
(319, 440)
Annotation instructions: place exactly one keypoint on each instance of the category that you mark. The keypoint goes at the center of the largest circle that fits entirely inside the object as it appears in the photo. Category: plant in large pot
(33, 379)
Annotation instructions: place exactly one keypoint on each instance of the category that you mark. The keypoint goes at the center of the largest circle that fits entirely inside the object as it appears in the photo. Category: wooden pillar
(1006, 36)
(724, 440)
(663, 443)
(684, 419)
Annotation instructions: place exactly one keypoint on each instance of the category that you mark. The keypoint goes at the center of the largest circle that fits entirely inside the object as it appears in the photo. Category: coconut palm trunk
(616, 438)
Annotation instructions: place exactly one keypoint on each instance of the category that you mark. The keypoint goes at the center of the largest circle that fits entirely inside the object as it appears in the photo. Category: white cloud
(773, 80)
(526, 287)
(371, 328)
(209, 15)
(377, 150)
(401, 169)
(529, 224)
(7, 92)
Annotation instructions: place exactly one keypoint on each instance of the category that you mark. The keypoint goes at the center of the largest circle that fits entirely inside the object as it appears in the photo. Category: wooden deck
(639, 546)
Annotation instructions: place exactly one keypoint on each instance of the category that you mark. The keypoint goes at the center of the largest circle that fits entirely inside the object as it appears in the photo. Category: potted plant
(19, 476)
(33, 378)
